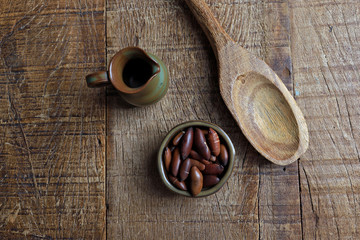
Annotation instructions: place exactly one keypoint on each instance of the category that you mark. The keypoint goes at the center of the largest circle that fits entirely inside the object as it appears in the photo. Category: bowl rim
(168, 138)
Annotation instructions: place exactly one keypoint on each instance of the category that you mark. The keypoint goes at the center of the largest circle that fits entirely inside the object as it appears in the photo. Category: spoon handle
(212, 28)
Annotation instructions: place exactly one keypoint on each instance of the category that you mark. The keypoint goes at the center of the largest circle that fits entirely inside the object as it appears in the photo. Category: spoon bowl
(256, 97)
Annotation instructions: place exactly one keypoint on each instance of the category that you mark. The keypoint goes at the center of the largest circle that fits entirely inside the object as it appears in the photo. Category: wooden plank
(139, 205)
(326, 60)
(52, 128)
(279, 198)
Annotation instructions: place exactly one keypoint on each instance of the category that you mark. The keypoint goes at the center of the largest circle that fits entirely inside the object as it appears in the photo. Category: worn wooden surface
(52, 129)
(326, 70)
(252, 204)
(56, 135)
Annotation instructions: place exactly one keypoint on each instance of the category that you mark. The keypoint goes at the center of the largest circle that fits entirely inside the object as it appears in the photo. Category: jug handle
(98, 79)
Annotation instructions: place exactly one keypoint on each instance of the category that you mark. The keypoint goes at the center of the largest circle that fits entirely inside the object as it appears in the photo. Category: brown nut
(210, 180)
(214, 142)
(187, 142)
(198, 164)
(213, 169)
(184, 169)
(204, 131)
(167, 158)
(195, 155)
(196, 183)
(224, 156)
(175, 162)
(180, 185)
(200, 144)
(177, 138)
(206, 162)
(195, 158)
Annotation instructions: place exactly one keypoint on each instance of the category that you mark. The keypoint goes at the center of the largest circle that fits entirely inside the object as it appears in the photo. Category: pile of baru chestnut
(195, 159)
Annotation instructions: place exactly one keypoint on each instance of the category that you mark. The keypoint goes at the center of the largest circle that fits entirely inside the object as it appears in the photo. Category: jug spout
(138, 69)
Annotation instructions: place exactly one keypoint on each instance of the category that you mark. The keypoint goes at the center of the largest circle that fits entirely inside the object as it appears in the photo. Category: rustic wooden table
(80, 163)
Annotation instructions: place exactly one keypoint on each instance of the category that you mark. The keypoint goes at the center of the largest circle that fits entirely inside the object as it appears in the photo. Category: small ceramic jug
(141, 78)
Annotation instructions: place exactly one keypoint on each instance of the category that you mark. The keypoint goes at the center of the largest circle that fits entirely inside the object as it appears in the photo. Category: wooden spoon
(258, 100)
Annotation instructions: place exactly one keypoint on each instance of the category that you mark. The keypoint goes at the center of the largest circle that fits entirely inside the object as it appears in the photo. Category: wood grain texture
(260, 200)
(139, 204)
(325, 40)
(53, 143)
(52, 128)
(279, 198)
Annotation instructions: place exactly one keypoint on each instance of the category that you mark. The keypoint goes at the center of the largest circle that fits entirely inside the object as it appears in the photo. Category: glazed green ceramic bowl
(224, 138)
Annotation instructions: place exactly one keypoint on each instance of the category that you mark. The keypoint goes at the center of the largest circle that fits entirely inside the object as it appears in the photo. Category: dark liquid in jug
(137, 72)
